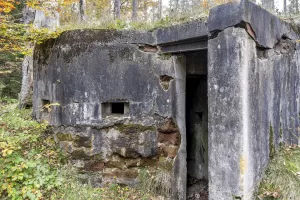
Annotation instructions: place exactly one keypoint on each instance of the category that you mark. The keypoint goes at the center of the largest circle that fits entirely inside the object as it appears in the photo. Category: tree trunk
(285, 7)
(82, 10)
(27, 82)
(297, 7)
(40, 21)
(145, 8)
(25, 97)
(117, 9)
(159, 15)
(134, 10)
(177, 6)
(28, 15)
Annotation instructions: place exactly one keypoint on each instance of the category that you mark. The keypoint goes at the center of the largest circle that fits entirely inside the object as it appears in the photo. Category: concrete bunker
(192, 100)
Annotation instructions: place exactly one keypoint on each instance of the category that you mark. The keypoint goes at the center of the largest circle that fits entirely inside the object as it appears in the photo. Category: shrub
(28, 158)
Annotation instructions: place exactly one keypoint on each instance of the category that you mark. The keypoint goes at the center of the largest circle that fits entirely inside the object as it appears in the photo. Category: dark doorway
(197, 126)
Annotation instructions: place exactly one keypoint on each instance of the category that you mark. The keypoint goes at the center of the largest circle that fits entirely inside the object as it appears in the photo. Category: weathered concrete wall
(253, 97)
(85, 77)
(273, 104)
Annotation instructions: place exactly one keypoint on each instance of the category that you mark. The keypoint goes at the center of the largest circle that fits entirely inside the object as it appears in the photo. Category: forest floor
(197, 189)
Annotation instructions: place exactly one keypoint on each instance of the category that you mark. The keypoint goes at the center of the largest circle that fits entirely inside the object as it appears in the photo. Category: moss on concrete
(133, 128)
(271, 142)
(64, 137)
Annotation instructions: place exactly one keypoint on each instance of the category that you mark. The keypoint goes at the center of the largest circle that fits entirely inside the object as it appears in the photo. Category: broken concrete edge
(196, 30)
(266, 31)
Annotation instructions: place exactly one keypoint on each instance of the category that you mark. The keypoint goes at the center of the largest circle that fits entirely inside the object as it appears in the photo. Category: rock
(115, 172)
(168, 127)
(169, 138)
(170, 151)
(94, 166)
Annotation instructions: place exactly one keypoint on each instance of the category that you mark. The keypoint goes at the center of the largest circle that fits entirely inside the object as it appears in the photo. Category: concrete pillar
(227, 115)
(180, 172)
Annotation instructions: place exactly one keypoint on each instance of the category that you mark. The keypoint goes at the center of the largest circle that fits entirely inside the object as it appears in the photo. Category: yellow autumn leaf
(9, 152)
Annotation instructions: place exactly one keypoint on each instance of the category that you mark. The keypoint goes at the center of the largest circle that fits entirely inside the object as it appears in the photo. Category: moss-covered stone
(133, 128)
(165, 163)
(64, 137)
(165, 56)
(81, 141)
(79, 154)
(120, 173)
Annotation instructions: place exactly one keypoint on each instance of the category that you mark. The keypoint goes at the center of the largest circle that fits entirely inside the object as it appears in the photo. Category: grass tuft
(282, 177)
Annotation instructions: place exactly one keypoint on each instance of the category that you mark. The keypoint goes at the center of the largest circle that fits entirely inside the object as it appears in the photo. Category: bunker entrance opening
(197, 125)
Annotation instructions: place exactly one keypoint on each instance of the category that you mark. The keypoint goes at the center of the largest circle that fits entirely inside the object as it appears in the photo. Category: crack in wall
(284, 46)
(148, 48)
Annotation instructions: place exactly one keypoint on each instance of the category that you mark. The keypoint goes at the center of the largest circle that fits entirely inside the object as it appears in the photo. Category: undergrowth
(28, 157)
(32, 166)
(282, 177)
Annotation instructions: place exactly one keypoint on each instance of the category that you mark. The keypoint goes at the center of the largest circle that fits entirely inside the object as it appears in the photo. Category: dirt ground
(197, 189)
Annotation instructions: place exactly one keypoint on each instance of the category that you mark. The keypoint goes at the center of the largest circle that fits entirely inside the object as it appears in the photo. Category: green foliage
(72, 189)
(10, 57)
(10, 82)
(32, 167)
(282, 177)
(14, 37)
(28, 156)
(119, 25)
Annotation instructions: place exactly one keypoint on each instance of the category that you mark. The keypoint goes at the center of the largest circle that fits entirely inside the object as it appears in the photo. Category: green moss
(236, 197)
(64, 137)
(83, 141)
(133, 128)
(79, 154)
(271, 142)
(10, 83)
(295, 27)
(166, 164)
(280, 131)
(165, 56)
